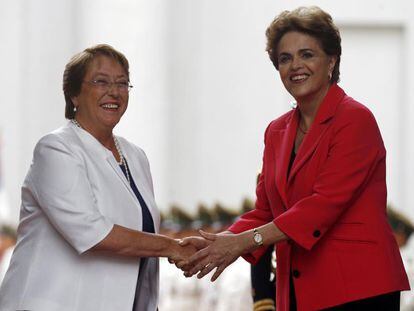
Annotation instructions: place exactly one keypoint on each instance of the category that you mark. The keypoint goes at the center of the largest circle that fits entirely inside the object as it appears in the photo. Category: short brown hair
(76, 69)
(312, 21)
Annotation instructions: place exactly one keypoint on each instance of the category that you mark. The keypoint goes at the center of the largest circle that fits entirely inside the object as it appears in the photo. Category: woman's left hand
(223, 250)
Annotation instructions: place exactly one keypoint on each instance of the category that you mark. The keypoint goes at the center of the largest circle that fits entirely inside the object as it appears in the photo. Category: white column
(140, 30)
(39, 35)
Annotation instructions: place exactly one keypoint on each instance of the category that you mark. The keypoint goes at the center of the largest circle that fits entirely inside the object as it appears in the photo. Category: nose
(296, 63)
(113, 90)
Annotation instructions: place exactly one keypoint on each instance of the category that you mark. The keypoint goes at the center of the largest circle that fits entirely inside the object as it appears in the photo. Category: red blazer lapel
(285, 139)
(326, 112)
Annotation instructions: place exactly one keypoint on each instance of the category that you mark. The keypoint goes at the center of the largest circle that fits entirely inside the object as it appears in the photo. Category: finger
(218, 271)
(197, 242)
(198, 256)
(185, 268)
(182, 266)
(183, 242)
(208, 236)
(187, 273)
(199, 266)
(206, 270)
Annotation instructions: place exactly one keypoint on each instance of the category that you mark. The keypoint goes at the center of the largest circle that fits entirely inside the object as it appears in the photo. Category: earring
(330, 76)
(74, 109)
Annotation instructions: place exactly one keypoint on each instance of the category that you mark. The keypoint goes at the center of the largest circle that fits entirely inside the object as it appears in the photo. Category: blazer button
(316, 233)
(296, 274)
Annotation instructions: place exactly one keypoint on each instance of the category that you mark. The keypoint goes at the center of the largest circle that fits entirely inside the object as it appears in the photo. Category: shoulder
(351, 110)
(63, 136)
(356, 120)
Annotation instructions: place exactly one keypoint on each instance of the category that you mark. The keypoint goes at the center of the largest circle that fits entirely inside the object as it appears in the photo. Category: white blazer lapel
(115, 166)
(140, 173)
(90, 143)
(98, 150)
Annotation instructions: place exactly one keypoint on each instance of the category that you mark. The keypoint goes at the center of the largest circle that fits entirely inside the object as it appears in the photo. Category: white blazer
(72, 196)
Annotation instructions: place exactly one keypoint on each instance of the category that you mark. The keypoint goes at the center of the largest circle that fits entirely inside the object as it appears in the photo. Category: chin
(113, 124)
(110, 123)
(299, 94)
(302, 92)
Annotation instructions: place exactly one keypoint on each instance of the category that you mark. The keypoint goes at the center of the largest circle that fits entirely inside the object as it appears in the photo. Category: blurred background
(204, 87)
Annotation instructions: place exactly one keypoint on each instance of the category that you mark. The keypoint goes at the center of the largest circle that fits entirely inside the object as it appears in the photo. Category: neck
(309, 106)
(104, 136)
(108, 141)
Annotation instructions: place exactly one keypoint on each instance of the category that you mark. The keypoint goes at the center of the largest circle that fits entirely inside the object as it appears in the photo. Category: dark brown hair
(312, 21)
(76, 69)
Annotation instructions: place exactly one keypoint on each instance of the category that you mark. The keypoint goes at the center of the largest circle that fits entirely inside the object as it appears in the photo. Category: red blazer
(332, 206)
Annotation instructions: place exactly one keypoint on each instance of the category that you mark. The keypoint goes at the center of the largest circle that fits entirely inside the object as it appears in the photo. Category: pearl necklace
(118, 149)
(121, 156)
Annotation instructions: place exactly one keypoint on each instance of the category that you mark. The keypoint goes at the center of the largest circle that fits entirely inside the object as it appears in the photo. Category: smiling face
(99, 109)
(304, 67)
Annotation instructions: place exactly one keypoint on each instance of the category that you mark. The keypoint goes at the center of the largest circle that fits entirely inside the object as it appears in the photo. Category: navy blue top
(292, 159)
(147, 221)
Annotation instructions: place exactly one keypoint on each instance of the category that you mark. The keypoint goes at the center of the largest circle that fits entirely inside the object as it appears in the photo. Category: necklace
(300, 129)
(118, 149)
(121, 156)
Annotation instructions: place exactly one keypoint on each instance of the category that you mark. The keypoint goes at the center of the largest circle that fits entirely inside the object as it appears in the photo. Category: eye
(307, 55)
(122, 84)
(283, 59)
(101, 82)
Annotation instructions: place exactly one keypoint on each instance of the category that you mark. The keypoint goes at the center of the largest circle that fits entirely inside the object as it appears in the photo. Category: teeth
(300, 77)
(110, 106)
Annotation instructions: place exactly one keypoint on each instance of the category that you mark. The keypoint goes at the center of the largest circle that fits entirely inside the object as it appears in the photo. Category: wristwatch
(257, 237)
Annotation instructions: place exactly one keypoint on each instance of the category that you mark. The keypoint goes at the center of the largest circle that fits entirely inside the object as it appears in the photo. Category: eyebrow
(106, 75)
(300, 51)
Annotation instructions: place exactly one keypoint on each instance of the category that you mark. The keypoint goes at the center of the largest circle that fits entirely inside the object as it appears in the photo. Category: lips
(110, 106)
(298, 77)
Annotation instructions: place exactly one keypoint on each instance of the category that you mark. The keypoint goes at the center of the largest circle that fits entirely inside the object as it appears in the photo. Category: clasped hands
(201, 254)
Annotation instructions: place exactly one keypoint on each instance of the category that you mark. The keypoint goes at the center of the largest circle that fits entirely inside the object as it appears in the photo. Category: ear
(75, 101)
(332, 62)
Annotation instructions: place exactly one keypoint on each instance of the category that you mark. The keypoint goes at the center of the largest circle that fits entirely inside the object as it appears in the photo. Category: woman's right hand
(197, 241)
(180, 253)
(187, 247)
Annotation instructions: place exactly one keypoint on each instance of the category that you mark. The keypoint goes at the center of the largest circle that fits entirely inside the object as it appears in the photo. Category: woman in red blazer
(322, 195)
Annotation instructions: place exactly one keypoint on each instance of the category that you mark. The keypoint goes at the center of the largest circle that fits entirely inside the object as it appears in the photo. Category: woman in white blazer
(88, 234)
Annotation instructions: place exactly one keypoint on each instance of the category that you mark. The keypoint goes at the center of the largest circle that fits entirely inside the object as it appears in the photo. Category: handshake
(201, 254)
